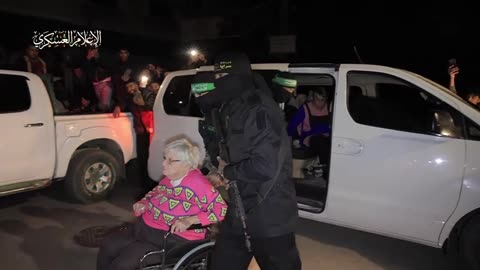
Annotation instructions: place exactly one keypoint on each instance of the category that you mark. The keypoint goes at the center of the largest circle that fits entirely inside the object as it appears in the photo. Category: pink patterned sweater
(193, 196)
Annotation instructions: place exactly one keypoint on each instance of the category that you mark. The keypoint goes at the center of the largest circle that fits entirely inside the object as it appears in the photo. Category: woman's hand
(181, 225)
(139, 208)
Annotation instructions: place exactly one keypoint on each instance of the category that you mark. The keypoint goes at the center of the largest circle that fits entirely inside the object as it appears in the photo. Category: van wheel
(470, 245)
(91, 176)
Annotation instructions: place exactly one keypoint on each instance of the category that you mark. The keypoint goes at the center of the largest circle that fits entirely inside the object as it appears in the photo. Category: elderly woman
(181, 199)
(311, 126)
(311, 119)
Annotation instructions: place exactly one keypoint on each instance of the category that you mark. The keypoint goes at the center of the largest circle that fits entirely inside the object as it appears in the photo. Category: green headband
(285, 82)
(199, 88)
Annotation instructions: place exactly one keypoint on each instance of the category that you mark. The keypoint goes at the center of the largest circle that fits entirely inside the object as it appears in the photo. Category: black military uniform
(255, 132)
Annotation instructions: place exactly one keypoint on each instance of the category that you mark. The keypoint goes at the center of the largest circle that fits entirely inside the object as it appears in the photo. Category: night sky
(416, 35)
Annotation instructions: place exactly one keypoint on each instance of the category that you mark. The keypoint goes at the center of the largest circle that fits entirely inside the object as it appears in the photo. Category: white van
(404, 155)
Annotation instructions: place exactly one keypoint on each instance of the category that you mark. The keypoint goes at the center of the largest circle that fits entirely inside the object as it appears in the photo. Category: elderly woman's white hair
(187, 152)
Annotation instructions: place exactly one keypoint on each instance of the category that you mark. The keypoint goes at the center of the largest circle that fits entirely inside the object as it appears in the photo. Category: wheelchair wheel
(196, 259)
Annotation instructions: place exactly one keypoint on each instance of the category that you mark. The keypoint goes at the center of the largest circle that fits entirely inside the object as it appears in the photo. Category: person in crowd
(311, 125)
(473, 97)
(32, 62)
(138, 104)
(123, 72)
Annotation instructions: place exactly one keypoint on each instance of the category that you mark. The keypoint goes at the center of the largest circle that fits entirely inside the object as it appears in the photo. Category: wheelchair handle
(191, 228)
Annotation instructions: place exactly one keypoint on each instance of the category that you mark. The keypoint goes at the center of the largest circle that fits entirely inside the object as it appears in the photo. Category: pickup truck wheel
(91, 175)
(470, 245)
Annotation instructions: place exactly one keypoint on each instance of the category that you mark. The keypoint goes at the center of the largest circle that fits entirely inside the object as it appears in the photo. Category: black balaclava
(204, 80)
(238, 79)
(280, 81)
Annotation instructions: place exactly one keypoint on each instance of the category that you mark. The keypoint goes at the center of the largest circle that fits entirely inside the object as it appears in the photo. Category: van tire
(88, 162)
(470, 245)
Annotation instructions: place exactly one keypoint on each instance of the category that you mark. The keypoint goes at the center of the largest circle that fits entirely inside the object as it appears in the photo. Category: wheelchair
(193, 255)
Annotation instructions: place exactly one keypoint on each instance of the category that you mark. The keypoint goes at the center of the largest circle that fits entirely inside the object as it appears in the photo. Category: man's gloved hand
(217, 180)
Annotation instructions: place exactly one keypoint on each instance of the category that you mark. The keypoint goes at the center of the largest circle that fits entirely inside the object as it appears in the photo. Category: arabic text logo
(70, 38)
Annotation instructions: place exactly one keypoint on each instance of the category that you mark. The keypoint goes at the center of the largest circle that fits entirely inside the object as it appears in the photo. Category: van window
(178, 99)
(473, 130)
(392, 103)
(16, 95)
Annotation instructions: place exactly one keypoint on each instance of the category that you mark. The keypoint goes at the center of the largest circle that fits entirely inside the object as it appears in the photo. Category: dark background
(419, 36)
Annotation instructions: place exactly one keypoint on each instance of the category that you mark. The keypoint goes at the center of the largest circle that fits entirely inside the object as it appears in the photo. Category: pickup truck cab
(404, 153)
(38, 147)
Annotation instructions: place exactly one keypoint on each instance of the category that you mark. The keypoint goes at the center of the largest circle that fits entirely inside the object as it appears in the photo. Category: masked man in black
(284, 87)
(203, 83)
(259, 165)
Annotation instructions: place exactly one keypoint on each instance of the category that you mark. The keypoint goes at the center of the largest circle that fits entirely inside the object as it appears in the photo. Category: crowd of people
(88, 84)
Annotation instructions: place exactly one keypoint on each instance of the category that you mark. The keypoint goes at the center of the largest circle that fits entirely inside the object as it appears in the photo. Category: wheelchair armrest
(197, 227)
(191, 228)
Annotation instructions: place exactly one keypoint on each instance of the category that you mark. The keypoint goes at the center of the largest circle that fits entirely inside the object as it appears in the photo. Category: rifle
(235, 193)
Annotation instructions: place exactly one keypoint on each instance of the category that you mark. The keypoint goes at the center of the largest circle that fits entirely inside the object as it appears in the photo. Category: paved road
(37, 229)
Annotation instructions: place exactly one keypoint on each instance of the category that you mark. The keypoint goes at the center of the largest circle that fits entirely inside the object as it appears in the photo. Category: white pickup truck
(38, 147)
(404, 153)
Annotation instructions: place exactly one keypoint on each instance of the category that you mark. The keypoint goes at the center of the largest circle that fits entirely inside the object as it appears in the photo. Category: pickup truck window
(16, 95)
(178, 100)
(385, 101)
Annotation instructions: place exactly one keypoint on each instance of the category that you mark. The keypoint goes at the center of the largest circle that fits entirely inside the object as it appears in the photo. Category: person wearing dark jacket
(138, 106)
(260, 163)
(122, 73)
(32, 62)
(284, 87)
(202, 83)
(84, 75)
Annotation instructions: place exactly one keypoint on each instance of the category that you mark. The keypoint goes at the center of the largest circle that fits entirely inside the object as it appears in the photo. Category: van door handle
(33, 125)
(347, 146)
